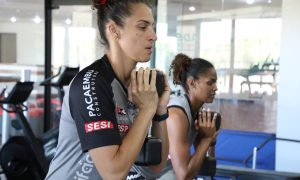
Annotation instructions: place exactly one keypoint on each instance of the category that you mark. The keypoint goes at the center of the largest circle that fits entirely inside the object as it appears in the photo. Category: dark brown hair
(115, 10)
(183, 66)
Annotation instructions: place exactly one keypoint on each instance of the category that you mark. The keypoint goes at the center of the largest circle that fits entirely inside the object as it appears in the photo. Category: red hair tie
(103, 2)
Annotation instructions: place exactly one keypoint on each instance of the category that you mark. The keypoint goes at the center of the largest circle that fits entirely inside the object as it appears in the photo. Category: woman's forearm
(159, 130)
(197, 159)
(126, 153)
(133, 141)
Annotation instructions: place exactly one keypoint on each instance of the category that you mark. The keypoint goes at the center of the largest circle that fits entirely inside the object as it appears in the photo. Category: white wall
(30, 41)
(288, 118)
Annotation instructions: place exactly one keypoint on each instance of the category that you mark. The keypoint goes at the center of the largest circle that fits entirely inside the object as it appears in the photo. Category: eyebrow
(145, 21)
(214, 79)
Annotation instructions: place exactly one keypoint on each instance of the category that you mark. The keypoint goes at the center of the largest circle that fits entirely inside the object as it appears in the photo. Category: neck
(122, 67)
(195, 104)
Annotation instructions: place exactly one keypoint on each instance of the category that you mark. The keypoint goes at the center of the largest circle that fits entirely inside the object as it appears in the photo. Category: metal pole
(254, 158)
(153, 56)
(26, 73)
(5, 123)
(48, 43)
(232, 54)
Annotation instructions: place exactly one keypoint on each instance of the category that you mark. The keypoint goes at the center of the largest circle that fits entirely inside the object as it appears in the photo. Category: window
(243, 43)
(8, 48)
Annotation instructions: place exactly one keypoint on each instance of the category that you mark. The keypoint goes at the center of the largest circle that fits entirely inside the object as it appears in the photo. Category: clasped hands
(206, 126)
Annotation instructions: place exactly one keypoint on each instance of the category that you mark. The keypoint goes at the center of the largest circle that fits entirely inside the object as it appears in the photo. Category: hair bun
(103, 2)
(97, 4)
(180, 66)
(184, 60)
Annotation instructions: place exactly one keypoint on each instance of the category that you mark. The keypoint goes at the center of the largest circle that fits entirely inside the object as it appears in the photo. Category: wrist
(205, 141)
(161, 117)
(161, 110)
(150, 110)
(146, 113)
(212, 144)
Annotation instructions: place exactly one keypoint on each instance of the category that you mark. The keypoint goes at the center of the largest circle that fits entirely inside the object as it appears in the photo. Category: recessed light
(192, 8)
(37, 19)
(269, 1)
(250, 1)
(68, 21)
(13, 19)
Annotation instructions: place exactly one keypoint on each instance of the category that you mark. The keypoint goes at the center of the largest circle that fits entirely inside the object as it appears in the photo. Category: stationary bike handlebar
(65, 77)
(48, 80)
(20, 93)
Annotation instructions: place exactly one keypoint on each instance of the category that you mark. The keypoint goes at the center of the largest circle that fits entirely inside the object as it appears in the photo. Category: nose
(215, 88)
(152, 36)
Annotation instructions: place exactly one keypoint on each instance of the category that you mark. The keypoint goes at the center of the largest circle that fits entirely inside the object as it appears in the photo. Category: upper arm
(107, 166)
(93, 110)
(179, 147)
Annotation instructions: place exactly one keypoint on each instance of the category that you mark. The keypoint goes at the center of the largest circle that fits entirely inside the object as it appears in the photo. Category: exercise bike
(28, 157)
(64, 77)
(23, 157)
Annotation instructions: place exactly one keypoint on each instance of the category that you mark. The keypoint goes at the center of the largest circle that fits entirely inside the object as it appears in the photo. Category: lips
(149, 49)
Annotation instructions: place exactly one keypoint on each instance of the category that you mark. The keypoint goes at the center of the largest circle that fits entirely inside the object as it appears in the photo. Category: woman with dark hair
(188, 124)
(110, 105)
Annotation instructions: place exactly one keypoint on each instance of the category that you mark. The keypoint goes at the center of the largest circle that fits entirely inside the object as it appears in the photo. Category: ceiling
(221, 5)
(26, 10)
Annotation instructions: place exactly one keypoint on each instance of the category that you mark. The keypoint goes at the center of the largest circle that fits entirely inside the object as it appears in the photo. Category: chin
(144, 59)
(210, 101)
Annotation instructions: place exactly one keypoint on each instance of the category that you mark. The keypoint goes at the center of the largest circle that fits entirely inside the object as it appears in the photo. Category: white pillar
(26, 73)
(288, 118)
(5, 123)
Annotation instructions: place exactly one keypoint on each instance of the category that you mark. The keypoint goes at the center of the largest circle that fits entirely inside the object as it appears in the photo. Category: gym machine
(24, 157)
(28, 157)
(64, 77)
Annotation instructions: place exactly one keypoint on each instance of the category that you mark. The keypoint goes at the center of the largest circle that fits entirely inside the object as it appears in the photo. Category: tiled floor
(247, 115)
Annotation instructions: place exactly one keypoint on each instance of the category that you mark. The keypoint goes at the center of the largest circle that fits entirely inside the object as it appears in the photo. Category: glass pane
(75, 36)
(22, 51)
(22, 23)
(257, 41)
(215, 45)
(241, 39)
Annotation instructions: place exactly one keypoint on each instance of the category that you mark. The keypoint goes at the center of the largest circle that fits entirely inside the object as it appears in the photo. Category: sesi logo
(98, 125)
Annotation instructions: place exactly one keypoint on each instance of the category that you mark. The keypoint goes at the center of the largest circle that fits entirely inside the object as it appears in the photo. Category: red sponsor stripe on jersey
(98, 125)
